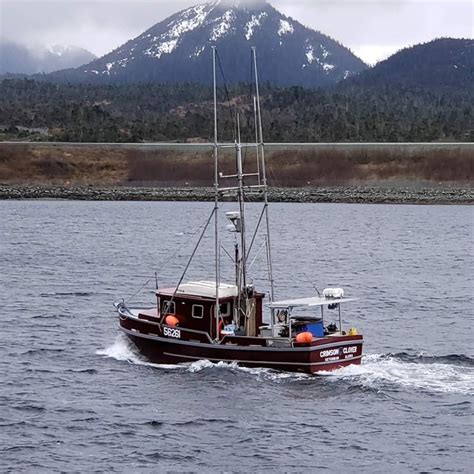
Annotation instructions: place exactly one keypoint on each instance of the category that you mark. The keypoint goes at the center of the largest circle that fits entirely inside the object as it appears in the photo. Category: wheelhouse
(193, 304)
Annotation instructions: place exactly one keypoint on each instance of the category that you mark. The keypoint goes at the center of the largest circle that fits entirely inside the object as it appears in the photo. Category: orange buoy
(171, 320)
(304, 337)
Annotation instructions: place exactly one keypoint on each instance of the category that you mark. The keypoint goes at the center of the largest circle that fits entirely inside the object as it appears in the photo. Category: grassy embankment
(287, 166)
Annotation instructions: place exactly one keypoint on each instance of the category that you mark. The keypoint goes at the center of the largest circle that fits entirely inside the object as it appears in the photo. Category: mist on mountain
(18, 58)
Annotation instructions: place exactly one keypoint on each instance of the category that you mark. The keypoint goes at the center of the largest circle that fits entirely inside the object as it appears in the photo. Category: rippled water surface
(75, 396)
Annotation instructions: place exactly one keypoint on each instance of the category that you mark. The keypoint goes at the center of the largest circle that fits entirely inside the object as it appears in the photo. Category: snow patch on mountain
(285, 28)
(197, 52)
(312, 57)
(327, 67)
(123, 62)
(253, 24)
(224, 25)
(189, 20)
(324, 51)
(166, 48)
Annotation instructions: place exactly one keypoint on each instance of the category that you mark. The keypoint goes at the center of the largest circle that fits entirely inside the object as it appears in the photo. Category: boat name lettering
(171, 332)
(349, 350)
(329, 353)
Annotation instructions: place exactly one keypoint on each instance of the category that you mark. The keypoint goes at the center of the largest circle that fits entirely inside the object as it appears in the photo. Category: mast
(240, 196)
(238, 218)
(256, 137)
(264, 177)
(216, 197)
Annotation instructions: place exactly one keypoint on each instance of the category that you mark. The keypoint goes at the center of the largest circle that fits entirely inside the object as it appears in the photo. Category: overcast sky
(373, 29)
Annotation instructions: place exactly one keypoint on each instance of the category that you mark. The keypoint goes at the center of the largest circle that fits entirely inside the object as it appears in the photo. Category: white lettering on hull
(349, 350)
(331, 355)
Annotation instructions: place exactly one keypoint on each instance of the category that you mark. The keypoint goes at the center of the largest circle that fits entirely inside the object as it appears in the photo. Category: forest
(35, 110)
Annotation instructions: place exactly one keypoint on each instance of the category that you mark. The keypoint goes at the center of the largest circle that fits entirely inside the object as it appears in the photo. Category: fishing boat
(234, 322)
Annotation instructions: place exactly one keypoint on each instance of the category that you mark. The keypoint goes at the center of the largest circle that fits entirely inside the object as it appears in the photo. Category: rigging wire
(138, 291)
(258, 253)
(162, 267)
(194, 253)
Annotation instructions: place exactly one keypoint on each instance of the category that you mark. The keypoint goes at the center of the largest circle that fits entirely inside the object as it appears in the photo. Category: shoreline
(361, 194)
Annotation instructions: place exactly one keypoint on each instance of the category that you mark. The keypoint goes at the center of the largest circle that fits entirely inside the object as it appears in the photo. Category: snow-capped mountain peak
(178, 48)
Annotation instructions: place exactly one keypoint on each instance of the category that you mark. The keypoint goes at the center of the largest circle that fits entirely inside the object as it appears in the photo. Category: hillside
(442, 63)
(178, 49)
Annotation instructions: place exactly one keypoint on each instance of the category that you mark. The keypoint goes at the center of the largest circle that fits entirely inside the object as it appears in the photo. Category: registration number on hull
(172, 332)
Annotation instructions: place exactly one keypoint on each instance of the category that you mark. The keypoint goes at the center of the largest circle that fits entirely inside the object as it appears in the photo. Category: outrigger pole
(216, 197)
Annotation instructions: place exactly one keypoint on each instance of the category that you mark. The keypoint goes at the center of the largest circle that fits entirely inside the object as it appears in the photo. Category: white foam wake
(123, 350)
(378, 371)
(268, 374)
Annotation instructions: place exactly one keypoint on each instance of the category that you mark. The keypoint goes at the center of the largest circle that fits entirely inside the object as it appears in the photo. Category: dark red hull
(323, 354)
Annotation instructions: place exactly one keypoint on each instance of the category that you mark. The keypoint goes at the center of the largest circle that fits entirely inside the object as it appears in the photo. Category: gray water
(75, 396)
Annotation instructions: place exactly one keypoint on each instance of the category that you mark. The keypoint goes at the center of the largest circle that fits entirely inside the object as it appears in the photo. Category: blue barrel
(316, 328)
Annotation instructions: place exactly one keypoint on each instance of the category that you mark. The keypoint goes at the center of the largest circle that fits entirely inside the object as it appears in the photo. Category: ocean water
(76, 396)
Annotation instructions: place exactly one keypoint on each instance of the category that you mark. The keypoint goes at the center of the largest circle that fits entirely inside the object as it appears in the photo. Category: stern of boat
(337, 352)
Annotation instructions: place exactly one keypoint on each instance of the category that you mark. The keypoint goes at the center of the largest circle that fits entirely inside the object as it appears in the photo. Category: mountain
(178, 49)
(441, 63)
(16, 58)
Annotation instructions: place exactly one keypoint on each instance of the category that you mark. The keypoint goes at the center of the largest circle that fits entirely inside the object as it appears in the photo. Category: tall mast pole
(240, 194)
(264, 177)
(256, 137)
(216, 197)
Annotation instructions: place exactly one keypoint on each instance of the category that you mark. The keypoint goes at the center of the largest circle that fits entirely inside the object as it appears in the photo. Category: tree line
(184, 112)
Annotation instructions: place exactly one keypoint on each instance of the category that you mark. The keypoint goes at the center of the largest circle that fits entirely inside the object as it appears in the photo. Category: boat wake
(381, 372)
(123, 350)
(448, 374)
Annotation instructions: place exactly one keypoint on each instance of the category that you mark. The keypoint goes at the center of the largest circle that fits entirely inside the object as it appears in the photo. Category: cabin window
(169, 307)
(224, 309)
(198, 311)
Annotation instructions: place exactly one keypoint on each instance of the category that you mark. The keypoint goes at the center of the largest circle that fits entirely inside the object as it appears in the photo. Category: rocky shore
(343, 194)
